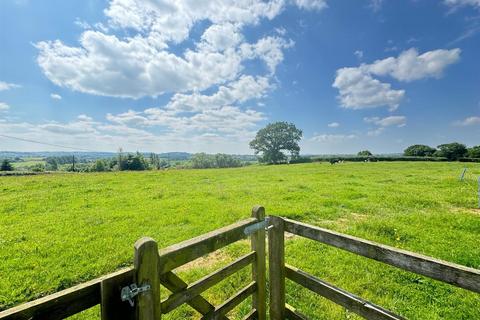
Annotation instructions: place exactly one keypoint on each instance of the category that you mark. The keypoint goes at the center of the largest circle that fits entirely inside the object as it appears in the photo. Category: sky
(206, 75)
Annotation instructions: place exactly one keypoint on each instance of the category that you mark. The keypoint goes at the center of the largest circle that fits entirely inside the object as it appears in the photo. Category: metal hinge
(129, 292)
(257, 226)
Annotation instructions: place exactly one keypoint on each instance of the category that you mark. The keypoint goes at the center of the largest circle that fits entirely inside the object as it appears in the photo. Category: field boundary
(134, 293)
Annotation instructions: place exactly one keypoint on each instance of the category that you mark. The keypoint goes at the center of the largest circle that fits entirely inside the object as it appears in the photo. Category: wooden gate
(134, 293)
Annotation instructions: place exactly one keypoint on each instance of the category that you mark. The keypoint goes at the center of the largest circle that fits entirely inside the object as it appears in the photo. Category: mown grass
(62, 229)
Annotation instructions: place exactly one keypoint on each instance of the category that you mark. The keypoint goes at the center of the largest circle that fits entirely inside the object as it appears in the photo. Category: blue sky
(164, 75)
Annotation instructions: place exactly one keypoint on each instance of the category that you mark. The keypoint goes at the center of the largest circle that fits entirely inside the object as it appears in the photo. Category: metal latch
(257, 226)
(128, 293)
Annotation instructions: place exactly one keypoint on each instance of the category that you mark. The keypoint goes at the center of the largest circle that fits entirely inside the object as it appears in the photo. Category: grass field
(58, 230)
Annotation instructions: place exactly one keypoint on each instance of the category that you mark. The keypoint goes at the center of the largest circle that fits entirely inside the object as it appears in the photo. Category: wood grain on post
(276, 253)
(146, 263)
(259, 299)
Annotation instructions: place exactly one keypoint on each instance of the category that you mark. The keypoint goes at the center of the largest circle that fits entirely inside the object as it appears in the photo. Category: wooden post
(146, 264)
(259, 299)
(276, 253)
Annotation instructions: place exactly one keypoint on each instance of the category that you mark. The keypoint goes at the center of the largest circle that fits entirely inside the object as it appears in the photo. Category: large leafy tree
(419, 150)
(474, 152)
(273, 141)
(364, 153)
(452, 151)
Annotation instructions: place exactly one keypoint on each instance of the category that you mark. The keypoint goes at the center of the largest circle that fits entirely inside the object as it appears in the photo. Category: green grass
(62, 229)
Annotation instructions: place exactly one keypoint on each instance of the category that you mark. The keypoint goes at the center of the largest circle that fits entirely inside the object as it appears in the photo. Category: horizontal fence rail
(455, 274)
(105, 290)
(184, 252)
(341, 297)
(67, 302)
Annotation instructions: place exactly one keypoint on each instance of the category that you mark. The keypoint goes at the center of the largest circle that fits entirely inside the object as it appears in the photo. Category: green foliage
(474, 152)
(274, 140)
(419, 150)
(132, 162)
(219, 160)
(51, 164)
(365, 153)
(452, 151)
(38, 167)
(60, 229)
(100, 165)
(6, 165)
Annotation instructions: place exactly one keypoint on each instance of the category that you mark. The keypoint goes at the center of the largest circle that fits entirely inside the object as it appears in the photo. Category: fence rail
(457, 275)
(153, 267)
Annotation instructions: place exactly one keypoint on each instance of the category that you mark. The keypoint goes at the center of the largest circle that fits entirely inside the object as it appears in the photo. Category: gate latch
(129, 292)
(257, 226)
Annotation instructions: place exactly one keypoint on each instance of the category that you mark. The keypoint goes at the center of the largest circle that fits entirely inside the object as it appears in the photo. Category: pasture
(58, 230)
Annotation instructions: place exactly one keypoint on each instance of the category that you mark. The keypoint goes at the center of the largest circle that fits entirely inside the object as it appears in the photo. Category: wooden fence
(134, 293)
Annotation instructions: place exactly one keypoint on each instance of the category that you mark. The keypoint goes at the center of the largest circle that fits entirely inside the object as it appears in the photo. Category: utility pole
(73, 163)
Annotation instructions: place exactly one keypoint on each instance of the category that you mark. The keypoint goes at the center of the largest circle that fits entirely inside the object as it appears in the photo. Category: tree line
(451, 151)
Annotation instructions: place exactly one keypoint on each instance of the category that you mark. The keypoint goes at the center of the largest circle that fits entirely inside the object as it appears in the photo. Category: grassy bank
(61, 229)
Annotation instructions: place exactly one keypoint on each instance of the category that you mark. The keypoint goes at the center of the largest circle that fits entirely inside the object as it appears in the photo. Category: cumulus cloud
(470, 121)
(334, 125)
(358, 89)
(55, 96)
(4, 86)
(410, 66)
(145, 63)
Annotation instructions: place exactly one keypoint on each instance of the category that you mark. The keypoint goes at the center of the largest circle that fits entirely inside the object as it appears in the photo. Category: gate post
(146, 264)
(276, 254)
(259, 299)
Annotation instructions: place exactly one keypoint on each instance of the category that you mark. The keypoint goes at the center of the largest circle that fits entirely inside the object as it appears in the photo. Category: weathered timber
(112, 306)
(146, 263)
(276, 253)
(293, 314)
(232, 302)
(259, 298)
(346, 299)
(458, 275)
(64, 303)
(175, 284)
(206, 282)
(179, 254)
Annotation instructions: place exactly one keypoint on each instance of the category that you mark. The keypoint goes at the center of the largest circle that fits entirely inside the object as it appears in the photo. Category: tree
(99, 165)
(364, 153)
(419, 150)
(275, 139)
(51, 164)
(6, 165)
(474, 152)
(452, 151)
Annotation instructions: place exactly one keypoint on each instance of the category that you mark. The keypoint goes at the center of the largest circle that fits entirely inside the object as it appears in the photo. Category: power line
(47, 144)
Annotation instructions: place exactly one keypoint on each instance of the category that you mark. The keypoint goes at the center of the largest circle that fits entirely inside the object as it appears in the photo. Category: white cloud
(459, 3)
(145, 63)
(358, 89)
(311, 4)
(55, 96)
(399, 121)
(470, 121)
(334, 125)
(4, 106)
(332, 138)
(358, 54)
(4, 86)
(409, 65)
